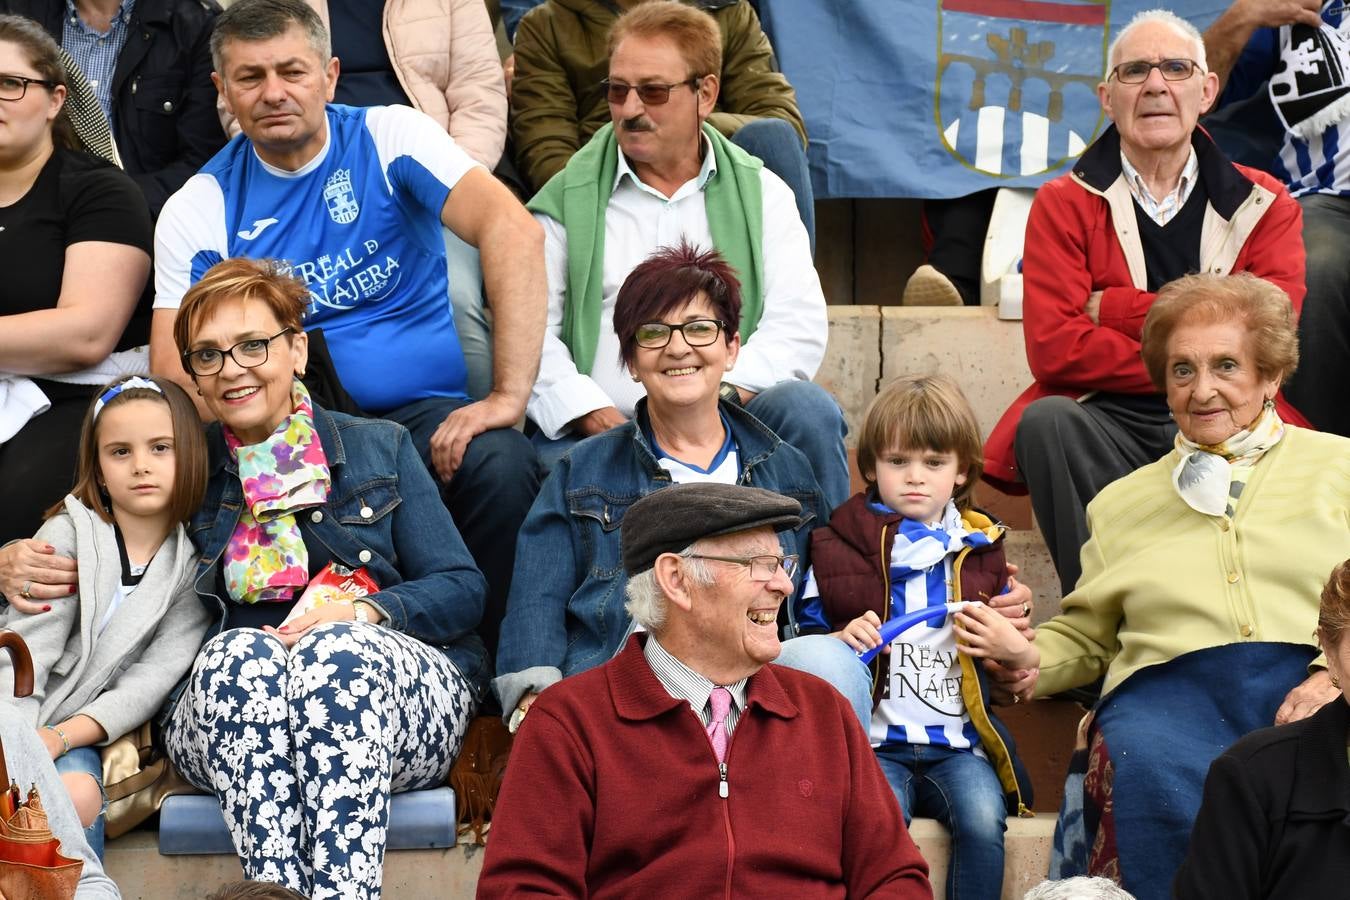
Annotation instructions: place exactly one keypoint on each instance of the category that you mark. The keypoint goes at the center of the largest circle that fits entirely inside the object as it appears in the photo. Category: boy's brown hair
(923, 412)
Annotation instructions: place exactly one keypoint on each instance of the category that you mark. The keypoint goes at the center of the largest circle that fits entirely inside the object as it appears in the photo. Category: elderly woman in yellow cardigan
(1198, 599)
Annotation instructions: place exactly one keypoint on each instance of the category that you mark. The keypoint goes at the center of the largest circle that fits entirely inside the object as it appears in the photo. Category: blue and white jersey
(725, 467)
(360, 224)
(922, 702)
(1309, 74)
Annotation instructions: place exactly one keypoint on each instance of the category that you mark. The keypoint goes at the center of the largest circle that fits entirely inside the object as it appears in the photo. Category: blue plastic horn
(893, 628)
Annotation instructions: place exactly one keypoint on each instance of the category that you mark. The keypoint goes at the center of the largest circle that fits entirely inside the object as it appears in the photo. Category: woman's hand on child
(32, 575)
(1015, 604)
(984, 632)
(1008, 686)
(862, 633)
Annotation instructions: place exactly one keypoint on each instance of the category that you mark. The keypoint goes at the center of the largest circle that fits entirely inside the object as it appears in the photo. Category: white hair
(1166, 17)
(647, 604)
(1079, 888)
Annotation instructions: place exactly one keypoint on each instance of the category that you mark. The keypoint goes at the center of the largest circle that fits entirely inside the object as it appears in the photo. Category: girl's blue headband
(134, 381)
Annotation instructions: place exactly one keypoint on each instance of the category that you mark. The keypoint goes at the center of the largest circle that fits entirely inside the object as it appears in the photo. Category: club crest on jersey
(340, 198)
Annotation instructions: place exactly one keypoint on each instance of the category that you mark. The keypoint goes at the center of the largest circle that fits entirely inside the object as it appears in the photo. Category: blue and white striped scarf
(920, 548)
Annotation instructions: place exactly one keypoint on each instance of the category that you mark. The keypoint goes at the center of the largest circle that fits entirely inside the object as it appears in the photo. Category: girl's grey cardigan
(120, 677)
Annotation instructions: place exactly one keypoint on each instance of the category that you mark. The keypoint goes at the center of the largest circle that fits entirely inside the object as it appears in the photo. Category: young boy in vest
(908, 543)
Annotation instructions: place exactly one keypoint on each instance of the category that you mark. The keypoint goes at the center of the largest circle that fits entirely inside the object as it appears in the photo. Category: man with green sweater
(655, 176)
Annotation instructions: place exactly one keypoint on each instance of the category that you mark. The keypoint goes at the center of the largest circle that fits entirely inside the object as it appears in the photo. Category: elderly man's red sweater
(612, 790)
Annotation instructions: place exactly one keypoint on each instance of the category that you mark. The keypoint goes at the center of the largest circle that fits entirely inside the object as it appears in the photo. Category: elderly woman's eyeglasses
(697, 333)
(247, 354)
(1136, 71)
(13, 87)
(652, 93)
(762, 568)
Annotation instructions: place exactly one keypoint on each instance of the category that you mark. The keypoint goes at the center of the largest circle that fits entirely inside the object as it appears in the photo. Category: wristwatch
(730, 393)
(361, 611)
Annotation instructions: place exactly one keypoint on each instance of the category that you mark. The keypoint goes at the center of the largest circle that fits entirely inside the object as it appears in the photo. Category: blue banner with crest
(941, 98)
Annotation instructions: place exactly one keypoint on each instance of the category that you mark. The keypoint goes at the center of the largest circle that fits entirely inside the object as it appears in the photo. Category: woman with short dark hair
(675, 317)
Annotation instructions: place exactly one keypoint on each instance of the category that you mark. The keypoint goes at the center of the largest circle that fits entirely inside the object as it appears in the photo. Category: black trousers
(1068, 451)
(37, 465)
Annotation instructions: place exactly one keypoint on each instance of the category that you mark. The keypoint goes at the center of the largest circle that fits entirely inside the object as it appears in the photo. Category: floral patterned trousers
(304, 749)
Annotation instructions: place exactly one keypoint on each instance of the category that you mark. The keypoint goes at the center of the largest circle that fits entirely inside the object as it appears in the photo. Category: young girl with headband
(105, 660)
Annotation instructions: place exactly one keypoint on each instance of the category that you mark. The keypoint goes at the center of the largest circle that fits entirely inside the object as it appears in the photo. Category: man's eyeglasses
(13, 87)
(651, 94)
(1136, 71)
(247, 354)
(697, 333)
(762, 568)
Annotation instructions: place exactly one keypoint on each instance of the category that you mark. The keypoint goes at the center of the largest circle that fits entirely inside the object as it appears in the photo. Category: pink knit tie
(717, 728)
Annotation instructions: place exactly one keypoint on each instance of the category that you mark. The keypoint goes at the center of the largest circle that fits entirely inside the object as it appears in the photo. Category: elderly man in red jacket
(687, 766)
(1151, 200)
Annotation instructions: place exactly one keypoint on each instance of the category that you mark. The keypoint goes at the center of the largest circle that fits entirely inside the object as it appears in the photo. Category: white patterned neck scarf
(1210, 478)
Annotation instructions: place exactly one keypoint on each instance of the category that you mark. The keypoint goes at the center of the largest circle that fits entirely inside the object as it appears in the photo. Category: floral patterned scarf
(266, 559)
(1210, 478)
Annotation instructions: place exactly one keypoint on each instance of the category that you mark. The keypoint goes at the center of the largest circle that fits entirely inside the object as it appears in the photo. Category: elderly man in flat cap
(688, 765)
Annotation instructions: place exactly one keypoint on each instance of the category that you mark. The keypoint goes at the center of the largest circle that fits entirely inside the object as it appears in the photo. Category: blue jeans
(466, 302)
(488, 497)
(88, 761)
(962, 792)
(831, 660)
(777, 143)
(804, 415)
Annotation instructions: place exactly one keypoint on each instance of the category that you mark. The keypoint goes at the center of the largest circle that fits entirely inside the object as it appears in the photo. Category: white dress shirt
(788, 343)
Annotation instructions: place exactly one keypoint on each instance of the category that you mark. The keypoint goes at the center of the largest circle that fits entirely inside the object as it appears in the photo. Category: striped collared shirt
(1165, 209)
(683, 683)
(96, 53)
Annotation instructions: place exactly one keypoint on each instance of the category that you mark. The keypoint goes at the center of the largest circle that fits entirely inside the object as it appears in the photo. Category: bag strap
(22, 663)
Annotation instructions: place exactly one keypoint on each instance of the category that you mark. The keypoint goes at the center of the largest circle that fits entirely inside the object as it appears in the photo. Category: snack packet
(333, 583)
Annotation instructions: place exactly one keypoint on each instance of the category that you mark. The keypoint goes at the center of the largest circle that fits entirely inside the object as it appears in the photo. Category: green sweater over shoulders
(1160, 580)
(578, 196)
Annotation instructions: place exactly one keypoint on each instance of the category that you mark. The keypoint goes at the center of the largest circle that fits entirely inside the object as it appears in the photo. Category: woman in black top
(75, 240)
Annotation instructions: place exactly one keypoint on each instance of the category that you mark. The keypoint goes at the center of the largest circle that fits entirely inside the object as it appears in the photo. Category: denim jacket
(429, 586)
(566, 610)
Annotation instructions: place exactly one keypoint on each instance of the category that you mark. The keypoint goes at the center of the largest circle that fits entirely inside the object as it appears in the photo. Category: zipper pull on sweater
(722, 789)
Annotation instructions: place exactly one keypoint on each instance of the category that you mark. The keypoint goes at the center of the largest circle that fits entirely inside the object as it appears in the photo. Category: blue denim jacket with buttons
(566, 610)
(384, 512)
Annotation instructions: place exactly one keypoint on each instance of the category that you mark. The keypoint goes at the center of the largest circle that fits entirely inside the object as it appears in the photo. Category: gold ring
(24, 593)
(1026, 610)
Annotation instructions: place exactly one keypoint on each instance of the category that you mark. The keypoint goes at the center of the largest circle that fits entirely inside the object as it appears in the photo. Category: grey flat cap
(668, 520)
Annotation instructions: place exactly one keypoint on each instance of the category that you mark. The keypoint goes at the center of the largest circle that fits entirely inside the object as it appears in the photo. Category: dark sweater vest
(1173, 250)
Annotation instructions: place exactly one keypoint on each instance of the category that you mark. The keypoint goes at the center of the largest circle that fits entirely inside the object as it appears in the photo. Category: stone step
(134, 862)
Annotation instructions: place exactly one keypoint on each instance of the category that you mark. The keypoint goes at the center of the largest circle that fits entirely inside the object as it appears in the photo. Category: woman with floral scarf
(304, 721)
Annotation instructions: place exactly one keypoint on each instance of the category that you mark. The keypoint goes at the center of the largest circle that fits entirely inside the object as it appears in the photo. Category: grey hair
(647, 605)
(1079, 888)
(261, 20)
(1166, 17)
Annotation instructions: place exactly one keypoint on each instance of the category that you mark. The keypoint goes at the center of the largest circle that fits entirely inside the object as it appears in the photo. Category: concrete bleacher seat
(418, 820)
